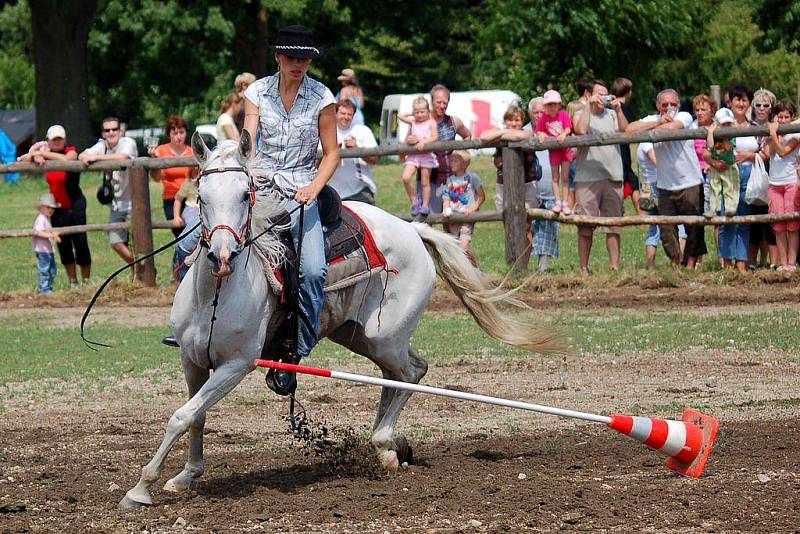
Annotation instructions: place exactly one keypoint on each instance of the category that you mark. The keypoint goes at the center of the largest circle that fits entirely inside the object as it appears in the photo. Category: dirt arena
(68, 452)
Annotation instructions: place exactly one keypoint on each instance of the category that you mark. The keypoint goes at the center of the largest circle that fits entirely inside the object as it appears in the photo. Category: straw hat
(48, 200)
(347, 74)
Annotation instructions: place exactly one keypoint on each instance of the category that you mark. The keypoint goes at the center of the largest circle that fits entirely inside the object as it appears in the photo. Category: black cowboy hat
(298, 42)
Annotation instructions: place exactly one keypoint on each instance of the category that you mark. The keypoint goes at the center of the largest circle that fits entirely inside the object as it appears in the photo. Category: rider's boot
(170, 341)
(283, 382)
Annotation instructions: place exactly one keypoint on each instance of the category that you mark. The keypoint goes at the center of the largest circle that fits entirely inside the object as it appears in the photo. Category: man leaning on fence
(114, 146)
(680, 184)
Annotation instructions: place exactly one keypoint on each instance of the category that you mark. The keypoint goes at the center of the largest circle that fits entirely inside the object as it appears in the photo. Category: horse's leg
(393, 448)
(195, 378)
(222, 381)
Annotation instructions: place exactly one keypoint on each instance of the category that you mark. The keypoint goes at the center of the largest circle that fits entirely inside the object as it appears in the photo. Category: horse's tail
(479, 297)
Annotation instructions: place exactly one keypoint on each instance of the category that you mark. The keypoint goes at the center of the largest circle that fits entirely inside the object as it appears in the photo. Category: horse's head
(227, 195)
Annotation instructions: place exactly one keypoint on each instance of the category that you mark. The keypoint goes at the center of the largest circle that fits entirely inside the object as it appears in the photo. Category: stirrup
(283, 382)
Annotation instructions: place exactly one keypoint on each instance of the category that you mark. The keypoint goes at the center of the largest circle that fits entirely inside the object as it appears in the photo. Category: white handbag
(758, 184)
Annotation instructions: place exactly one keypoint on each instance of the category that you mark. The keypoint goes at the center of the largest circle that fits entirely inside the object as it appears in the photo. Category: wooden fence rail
(533, 143)
(482, 216)
(514, 213)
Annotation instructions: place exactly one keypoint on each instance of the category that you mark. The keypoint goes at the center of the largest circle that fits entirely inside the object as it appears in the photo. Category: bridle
(242, 236)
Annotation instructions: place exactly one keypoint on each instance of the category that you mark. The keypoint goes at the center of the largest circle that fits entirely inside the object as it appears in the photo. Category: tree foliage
(533, 45)
(152, 58)
(16, 68)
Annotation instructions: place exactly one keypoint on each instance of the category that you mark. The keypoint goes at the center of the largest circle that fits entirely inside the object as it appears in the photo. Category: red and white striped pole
(687, 443)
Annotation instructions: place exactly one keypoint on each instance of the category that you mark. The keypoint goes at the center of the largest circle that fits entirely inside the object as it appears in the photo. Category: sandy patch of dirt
(71, 450)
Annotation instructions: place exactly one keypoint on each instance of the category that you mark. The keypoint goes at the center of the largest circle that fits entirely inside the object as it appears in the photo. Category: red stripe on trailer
(658, 434)
(281, 366)
(621, 423)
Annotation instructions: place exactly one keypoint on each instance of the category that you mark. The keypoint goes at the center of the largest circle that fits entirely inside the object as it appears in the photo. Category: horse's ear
(199, 147)
(245, 145)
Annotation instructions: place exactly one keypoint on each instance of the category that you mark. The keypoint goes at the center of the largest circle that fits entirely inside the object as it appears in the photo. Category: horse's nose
(221, 264)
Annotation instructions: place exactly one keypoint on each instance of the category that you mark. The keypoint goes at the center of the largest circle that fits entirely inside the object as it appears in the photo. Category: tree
(531, 45)
(150, 59)
(60, 31)
(16, 67)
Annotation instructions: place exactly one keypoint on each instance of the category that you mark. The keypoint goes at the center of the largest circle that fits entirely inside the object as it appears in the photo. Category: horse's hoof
(129, 504)
(389, 461)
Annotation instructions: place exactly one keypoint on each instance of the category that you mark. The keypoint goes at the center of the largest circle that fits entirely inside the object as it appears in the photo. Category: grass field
(18, 265)
(441, 336)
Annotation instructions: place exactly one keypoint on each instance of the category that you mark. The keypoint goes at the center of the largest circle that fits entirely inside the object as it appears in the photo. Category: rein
(246, 242)
(115, 274)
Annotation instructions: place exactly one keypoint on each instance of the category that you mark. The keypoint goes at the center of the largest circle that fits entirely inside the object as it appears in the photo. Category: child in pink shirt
(43, 237)
(555, 123)
(424, 128)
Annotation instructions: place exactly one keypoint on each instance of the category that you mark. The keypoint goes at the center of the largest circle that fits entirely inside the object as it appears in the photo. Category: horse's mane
(271, 205)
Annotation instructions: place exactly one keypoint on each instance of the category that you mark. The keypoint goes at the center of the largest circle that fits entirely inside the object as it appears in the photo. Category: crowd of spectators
(687, 177)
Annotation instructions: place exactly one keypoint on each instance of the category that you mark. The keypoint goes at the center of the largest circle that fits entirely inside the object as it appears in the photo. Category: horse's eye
(246, 196)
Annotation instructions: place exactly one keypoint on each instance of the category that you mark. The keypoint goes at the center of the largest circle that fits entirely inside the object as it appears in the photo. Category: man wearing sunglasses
(113, 146)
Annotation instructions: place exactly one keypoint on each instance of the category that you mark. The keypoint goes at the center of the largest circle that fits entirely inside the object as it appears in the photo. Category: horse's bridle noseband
(244, 233)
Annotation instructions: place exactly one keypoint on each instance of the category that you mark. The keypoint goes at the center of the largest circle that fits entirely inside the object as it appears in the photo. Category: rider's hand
(306, 195)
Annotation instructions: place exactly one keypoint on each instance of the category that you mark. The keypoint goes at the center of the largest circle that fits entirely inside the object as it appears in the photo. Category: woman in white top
(762, 238)
(226, 123)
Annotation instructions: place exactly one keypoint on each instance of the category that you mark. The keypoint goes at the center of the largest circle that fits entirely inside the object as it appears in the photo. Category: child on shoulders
(425, 131)
(43, 238)
(463, 193)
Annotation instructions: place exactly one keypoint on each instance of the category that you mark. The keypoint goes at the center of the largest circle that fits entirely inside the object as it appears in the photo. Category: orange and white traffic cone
(686, 443)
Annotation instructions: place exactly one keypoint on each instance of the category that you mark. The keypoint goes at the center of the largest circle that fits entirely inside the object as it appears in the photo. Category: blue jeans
(47, 271)
(313, 270)
(734, 239)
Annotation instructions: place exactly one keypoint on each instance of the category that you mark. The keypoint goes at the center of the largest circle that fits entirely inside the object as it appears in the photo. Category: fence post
(142, 225)
(515, 217)
(716, 95)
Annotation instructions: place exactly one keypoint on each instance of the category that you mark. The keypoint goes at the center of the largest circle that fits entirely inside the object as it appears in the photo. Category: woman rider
(288, 114)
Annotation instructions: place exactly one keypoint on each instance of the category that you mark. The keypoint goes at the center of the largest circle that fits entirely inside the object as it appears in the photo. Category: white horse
(375, 318)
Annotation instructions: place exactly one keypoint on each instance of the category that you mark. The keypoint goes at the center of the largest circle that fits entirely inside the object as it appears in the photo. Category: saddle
(344, 233)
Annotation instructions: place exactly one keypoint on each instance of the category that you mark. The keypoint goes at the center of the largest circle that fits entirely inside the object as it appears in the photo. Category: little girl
(782, 153)
(555, 122)
(43, 238)
(424, 129)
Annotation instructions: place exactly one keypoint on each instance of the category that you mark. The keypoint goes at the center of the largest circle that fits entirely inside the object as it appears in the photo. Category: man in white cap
(113, 146)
